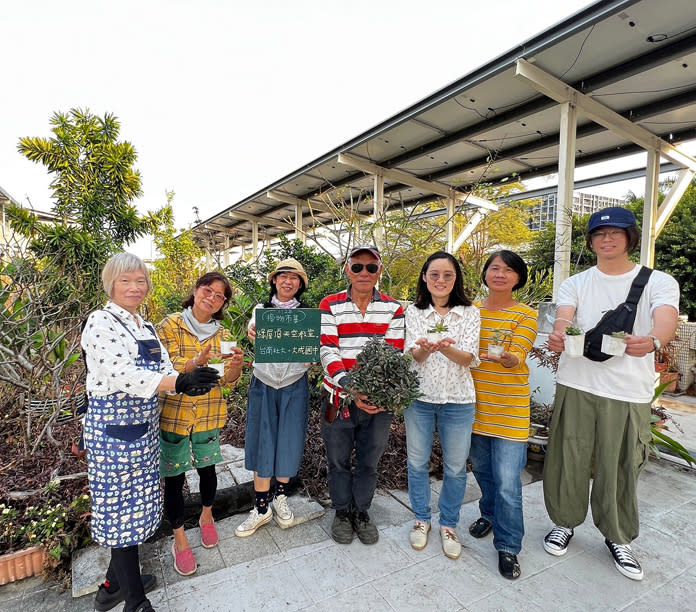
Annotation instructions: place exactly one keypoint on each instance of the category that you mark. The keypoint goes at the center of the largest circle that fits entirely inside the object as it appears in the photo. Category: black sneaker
(508, 565)
(625, 560)
(557, 540)
(480, 528)
(105, 601)
(364, 527)
(145, 606)
(342, 527)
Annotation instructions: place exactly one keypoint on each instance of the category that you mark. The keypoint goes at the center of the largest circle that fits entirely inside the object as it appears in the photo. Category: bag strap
(638, 285)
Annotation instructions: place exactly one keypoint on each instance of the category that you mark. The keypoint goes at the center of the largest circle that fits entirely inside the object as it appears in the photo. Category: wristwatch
(657, 345)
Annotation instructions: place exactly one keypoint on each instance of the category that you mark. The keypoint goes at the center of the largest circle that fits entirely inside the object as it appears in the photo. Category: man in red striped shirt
(348, 320)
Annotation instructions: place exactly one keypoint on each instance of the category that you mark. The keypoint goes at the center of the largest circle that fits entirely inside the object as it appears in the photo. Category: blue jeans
(454, 423)
(352, 488)
(497, 466)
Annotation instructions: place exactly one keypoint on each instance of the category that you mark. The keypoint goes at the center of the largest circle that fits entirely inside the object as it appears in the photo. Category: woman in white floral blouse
(448, 392)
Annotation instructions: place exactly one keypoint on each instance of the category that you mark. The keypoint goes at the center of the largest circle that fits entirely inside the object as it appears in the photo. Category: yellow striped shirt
(502, 394)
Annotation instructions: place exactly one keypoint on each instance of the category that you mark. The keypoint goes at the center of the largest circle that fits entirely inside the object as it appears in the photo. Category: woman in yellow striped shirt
(501, 422)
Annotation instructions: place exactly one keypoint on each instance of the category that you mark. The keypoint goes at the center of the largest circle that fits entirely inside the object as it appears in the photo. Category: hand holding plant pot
(574, 342)
(435, 333)
(217, 364)
(227, 342)
(496, 346)
(614, 344)
(382, 379)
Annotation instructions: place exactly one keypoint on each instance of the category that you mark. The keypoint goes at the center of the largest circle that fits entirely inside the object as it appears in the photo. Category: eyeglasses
(613, 234)
(209, 293)
(357, 268)
(448, 277)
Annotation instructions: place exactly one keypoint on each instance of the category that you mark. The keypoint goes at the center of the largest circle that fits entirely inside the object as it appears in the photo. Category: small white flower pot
(613, 346)
(433, 337)
(220, 367)
(575, 345)
(226, 346)
(496, 350)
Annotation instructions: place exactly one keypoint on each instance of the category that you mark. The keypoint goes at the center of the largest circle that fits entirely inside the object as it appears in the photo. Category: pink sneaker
(209, 536)
(184, 561)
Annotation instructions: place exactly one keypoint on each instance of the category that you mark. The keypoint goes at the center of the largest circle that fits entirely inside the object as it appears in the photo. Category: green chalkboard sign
(287, 334)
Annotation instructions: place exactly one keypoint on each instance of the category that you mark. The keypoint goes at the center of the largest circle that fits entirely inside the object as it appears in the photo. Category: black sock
(262, 501)
(280, 488)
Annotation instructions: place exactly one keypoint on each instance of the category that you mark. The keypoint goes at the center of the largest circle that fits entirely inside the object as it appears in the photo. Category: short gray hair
(120, 264)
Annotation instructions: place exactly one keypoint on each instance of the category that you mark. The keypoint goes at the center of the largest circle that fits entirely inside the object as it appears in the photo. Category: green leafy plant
(438, 328)
(384, 375)
(215, 360)
(618, 334)
(573, 331)
(659, 438)
(500, 336)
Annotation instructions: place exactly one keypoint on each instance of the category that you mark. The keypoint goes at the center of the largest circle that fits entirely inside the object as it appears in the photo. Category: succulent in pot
(227, 342)
(614, 343)
(217, 364)
(574, 341)
(496, 346)
(436, 332)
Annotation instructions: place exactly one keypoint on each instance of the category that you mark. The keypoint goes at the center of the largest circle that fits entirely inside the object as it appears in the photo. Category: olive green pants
(611, 437)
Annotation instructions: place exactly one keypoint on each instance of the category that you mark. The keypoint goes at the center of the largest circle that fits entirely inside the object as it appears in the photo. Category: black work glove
(198, 382)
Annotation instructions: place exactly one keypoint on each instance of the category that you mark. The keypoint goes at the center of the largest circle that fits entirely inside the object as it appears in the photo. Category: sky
(220, 98)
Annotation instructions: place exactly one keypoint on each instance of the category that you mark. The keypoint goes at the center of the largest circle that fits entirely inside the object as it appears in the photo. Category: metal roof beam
(556, 89)
(262, 220)
(412, 181)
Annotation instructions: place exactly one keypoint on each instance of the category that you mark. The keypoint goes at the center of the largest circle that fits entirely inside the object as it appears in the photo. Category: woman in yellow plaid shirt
(190, 426)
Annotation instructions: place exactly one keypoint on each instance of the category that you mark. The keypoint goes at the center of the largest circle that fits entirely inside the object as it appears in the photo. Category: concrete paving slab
(236, 550)
(89, 567)
(240, 473)
(380, 559)
(298, 535)
(327, 572)
(231, 453)
(363, 597)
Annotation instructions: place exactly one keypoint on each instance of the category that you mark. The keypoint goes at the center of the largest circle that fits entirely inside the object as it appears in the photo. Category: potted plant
(227, 342)
(384, 375)
(667, 367)
(217, 364)
(658, 425)
(40, 536)
(574, 342)
(436, 333)
(614, 344)
(496, 346)
(540, 417)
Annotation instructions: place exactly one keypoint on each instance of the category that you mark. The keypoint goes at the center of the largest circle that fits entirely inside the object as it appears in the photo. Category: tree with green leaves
(94, 186)
(176, 271)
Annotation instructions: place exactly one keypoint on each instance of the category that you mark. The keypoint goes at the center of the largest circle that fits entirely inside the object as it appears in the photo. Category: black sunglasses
(357, 268)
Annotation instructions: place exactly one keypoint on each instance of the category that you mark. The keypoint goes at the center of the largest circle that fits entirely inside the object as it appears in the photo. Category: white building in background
(583, 203)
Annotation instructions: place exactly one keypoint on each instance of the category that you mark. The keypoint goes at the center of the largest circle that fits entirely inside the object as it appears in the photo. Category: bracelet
(562, 319)
(195, 361)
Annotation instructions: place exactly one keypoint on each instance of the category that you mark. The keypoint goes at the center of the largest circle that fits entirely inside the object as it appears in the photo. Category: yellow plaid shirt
(183, 414)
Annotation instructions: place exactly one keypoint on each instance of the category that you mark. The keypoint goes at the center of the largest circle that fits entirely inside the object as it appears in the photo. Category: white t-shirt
(592, 293)
(441, 380)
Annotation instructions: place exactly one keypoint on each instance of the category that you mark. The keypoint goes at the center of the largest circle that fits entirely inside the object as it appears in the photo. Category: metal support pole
(652, 174)
(564, 205)
(299, 228)
(378, 203)
(450, 224)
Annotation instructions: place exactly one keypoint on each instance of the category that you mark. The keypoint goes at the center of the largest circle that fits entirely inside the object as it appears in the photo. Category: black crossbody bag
(620, 318)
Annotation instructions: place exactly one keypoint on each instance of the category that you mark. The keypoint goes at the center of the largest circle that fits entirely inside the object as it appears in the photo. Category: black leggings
(124, 571)
(174, 496)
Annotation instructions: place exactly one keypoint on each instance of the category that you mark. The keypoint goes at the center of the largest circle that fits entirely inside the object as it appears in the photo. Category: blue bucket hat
(614, 216)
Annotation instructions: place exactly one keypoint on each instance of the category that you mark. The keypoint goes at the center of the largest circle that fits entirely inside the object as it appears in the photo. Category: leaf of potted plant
(384, 375)
(217, 364)
(227, 341)
(614, 344)
(496, 347)
(574, 341)
(435, 333)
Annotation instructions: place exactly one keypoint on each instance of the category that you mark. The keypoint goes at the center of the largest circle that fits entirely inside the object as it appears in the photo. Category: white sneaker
(283, 515)
(252, 523)
(419, 535)
(450, 543)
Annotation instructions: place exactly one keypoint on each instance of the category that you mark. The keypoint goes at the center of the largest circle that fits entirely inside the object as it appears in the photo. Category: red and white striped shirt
(344, 331)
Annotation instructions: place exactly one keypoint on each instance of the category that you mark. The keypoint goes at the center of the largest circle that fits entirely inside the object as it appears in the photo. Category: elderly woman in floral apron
(126, 367)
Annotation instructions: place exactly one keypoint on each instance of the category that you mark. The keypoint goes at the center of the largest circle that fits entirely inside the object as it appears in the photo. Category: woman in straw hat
(277, 412)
